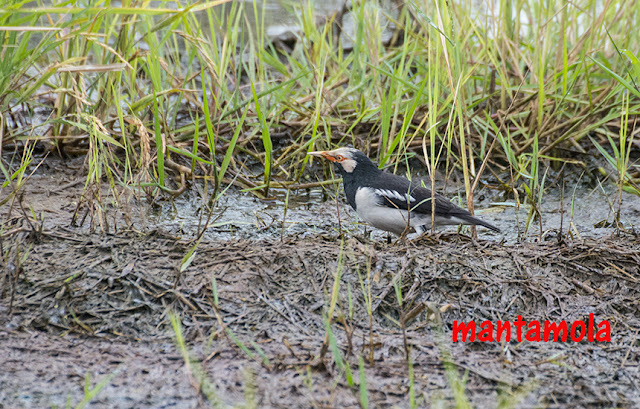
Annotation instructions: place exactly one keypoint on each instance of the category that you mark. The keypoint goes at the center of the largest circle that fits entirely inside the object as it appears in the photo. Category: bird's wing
(397, 192)
(445, 209)
(393, 191)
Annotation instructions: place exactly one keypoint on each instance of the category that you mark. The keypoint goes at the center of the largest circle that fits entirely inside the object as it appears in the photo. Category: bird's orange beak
(323, 154)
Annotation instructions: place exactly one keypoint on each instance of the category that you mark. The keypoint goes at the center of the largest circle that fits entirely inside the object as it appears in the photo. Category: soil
(80, 307)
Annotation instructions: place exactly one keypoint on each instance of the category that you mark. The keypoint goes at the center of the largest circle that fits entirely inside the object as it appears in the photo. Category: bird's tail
(470, 220)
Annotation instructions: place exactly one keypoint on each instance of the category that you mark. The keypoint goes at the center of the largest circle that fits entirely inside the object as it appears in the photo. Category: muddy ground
(76, 304)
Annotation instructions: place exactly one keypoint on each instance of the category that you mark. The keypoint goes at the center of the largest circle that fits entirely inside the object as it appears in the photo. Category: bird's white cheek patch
(348, 165)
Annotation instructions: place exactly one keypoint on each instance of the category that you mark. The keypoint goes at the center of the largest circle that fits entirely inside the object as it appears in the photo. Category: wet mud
(76, 304)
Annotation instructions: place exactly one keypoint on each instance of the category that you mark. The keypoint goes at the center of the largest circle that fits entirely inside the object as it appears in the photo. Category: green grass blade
(266, 140)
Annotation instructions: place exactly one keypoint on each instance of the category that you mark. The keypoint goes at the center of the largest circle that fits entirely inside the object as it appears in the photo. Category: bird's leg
(367, 234)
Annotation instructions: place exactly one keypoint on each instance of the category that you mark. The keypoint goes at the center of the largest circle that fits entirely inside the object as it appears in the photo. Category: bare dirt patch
(98, 304)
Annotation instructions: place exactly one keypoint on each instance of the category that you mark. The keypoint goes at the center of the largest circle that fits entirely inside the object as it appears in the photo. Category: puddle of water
(240, 215)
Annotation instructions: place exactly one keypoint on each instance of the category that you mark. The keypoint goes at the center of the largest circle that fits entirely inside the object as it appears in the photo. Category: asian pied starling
(391, 202)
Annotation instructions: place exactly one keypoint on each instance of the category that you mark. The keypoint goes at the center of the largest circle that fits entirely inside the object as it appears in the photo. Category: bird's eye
(339, 158)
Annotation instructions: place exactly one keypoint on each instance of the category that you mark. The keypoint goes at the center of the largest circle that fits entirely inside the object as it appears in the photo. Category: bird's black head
(348, 160)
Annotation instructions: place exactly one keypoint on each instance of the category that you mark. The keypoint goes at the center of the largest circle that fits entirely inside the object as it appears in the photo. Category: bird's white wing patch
(394, 194)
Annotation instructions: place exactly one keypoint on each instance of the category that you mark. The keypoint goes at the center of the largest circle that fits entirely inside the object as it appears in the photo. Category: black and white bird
(390, 202)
